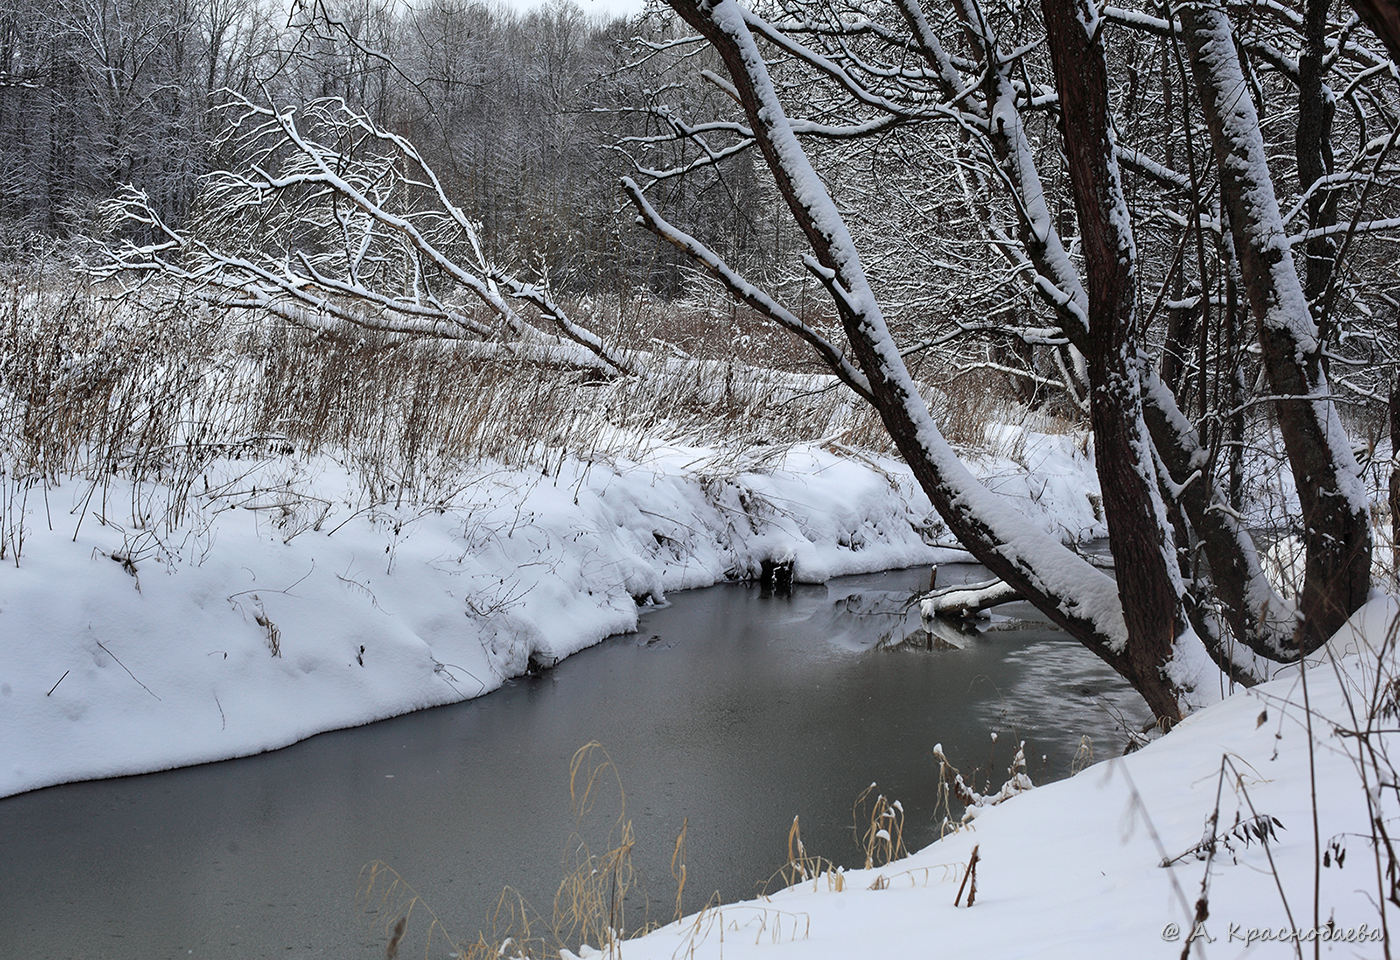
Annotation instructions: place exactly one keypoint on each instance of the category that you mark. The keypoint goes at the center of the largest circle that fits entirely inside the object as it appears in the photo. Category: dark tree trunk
(1145, 557)
(1313, 147)
(1181, 330)
(1395, 481)
(1009, 549)
(1383, 17)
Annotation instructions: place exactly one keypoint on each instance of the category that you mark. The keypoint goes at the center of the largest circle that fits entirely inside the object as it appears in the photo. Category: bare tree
(1117, 226)
(329, 219)
(1189, 575)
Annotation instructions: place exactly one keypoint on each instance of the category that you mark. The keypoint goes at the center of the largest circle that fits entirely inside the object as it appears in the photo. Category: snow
(284, 602)
(1075, 869)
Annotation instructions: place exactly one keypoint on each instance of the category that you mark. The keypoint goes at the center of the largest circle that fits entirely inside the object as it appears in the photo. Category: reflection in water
(727, 709)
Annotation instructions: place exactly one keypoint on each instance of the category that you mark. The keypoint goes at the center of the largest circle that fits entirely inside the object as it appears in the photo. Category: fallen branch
(967, 601)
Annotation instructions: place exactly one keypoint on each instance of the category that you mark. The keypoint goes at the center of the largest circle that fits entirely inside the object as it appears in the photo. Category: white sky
(608, 7)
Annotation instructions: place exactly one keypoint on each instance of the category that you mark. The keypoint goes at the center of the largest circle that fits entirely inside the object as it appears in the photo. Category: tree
(1189, 577)
(98, 93)
(365, 177)
(1103, 222)
(330, 219)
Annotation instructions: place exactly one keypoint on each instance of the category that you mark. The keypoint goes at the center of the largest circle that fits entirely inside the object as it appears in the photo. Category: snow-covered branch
(331, 216)
(745, 291)
(967, 600)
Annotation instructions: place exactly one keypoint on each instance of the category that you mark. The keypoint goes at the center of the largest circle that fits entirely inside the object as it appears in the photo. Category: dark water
(729, 710)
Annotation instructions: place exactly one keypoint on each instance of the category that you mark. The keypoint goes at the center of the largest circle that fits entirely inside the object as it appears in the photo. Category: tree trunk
(1395, 481)
(1383, 17)
(1337, 533)
(1149, 582)
(1078, 598)
(1313, 147)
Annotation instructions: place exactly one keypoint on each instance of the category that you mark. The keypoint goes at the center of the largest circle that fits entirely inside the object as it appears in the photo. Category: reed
(880, 826)
(155, 387)
(802, 867)
(599, 890)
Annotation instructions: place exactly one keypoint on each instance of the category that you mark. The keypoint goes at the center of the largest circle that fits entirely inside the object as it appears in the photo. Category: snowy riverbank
(278, 603)
(1074, 869)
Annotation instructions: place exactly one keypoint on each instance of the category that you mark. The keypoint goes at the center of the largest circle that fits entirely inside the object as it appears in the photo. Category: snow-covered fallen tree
(326, 218)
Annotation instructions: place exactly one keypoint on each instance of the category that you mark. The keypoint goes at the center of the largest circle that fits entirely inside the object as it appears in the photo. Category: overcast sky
(589, 6)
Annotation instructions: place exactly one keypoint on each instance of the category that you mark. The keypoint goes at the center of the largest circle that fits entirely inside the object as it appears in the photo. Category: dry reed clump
(592, 902)
(153, 388)
(877, 825)
(388, 895)
(704, 323)
(971, 401)
(590, 906)
(95, 390)
(880, 827)
(409, 414)
(1083, 756)
(802, 867)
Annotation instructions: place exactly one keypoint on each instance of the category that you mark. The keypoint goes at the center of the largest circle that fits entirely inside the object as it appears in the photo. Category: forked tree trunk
(1074, 595)
(1136, 624)
(1259, 621)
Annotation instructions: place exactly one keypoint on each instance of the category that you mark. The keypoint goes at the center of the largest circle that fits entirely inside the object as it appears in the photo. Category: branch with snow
(329, 217)
(968, 600)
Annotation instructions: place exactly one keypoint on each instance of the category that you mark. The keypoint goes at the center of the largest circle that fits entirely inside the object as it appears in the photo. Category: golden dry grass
(591, 905)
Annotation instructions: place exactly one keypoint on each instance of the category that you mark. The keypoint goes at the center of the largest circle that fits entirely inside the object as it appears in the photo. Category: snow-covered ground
(278, 603)
(1075, 869)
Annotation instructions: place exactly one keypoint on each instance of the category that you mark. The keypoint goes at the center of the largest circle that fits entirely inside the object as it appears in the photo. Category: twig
(285, 590)
(969, 874)
(123, 666)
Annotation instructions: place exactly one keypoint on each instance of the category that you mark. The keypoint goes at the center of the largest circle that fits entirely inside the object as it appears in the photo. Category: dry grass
(802, 867)
(880, 826)
(154, 387)
(1083, 756)
(600, 885)
(966, 404)
(590, 905)
(393, 900)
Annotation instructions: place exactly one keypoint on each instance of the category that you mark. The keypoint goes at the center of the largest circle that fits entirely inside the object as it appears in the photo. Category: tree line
(520, 114)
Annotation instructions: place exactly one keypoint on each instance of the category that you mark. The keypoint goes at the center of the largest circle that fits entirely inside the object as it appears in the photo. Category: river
(729, 710)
